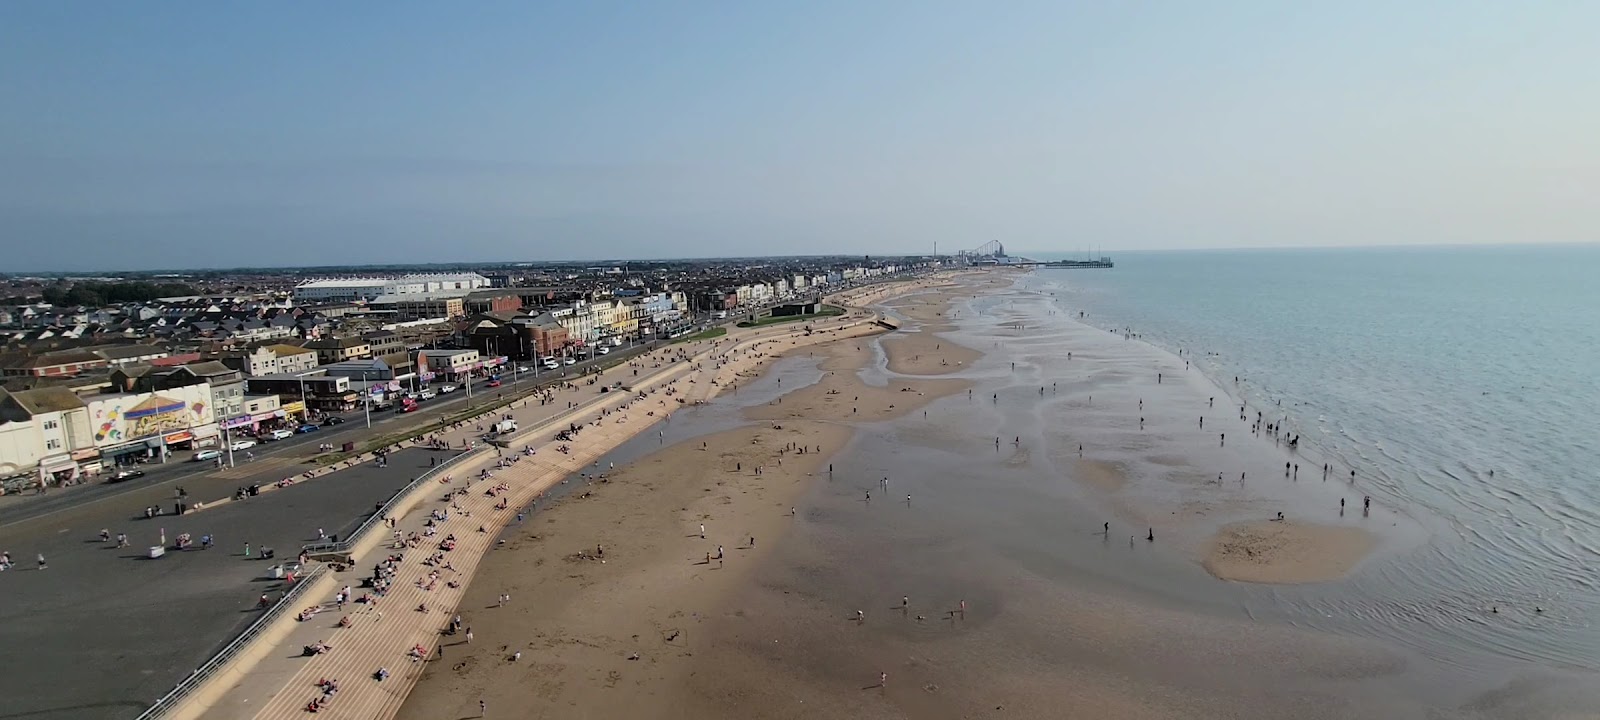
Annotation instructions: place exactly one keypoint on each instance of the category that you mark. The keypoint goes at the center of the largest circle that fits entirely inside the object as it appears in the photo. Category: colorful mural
(123, 419)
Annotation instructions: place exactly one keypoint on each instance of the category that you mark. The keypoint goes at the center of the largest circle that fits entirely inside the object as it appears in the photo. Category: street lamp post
(226, 440)
(366, 400)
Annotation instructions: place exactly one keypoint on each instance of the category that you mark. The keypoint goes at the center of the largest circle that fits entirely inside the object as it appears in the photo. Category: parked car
(238, 445)
(443, 389)
(280, 434)
(603, 350)
(427, 395)
(332, 420)
(206, 455)
(569, 361)
(125, 475)
(306, 428)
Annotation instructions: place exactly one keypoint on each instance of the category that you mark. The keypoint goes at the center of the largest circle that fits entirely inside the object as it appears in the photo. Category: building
(338, 349)
(419, 306)
(45, 434)
(63, 363)
(306, 390)
(516, 335)
(293, 359)
(121, 355)
(227, 384)
(491, 301)
(356, 288)
(152, 425)
(451, 364)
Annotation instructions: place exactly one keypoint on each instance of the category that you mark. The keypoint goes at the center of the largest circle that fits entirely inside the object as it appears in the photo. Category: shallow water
(1014, 527)
(1424, 370)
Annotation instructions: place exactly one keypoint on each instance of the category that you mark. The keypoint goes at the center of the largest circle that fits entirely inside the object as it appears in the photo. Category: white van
(427, 395)
(205, 455)
(283, 434)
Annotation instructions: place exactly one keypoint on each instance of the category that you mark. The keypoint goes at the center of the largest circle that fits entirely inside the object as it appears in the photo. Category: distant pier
(1101, 263)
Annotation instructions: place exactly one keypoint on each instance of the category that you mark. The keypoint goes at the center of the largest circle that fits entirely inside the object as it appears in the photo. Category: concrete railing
(344, 545)
(226, 655)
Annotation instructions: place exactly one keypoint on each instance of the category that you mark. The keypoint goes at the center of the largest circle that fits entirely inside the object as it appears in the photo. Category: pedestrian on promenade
(42, 564)
(483, 708)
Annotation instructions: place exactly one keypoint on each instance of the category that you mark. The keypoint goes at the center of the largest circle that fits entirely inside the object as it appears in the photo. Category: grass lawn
(826, 311)
(715, 332)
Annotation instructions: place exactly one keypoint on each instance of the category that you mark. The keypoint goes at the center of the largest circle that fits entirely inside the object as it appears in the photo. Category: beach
(982, 525)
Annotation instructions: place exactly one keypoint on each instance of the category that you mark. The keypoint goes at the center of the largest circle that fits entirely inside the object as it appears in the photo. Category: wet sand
(1286, 552)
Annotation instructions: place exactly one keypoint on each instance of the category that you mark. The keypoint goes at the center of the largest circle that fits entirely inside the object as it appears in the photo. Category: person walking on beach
(1222, 440)
(42, 564)
(483, 709)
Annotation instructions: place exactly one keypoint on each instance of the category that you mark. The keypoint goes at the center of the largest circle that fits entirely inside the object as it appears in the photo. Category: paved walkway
(380, 635)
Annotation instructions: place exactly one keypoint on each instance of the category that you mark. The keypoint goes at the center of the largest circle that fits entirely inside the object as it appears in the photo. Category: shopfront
(133, 453)
(88, 460)
(57, 470)
(208, 436)
(181, 440)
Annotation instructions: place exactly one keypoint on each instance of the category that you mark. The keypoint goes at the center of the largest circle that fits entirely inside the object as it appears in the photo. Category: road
(178, 471)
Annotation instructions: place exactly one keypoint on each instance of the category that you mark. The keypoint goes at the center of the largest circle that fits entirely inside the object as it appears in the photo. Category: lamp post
(366, 401)
(226, 440)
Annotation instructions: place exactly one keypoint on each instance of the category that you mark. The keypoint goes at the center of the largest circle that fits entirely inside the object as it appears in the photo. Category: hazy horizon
(188, 134)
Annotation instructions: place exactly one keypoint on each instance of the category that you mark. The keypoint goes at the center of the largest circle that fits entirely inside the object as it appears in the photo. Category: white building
(357, 288)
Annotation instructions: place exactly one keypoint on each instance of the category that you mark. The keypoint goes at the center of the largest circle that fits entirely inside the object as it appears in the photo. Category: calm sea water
(1459, 382)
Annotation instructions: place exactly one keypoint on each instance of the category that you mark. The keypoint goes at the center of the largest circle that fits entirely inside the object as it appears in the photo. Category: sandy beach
(606, 635)
(1060, 541)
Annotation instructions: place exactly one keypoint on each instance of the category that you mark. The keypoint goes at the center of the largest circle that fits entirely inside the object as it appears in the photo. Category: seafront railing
(273, 613)
(348, 541)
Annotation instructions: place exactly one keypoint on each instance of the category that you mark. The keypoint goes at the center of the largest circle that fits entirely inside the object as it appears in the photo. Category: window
(51, 424)
(52, 444)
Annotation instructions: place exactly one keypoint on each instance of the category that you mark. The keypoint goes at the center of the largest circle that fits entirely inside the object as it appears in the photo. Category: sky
(178, 134)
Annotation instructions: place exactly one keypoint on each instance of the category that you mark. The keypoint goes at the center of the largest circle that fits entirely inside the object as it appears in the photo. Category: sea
(1459, 383)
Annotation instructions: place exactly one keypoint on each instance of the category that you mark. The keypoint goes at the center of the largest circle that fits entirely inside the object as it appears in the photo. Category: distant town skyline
(200, 135)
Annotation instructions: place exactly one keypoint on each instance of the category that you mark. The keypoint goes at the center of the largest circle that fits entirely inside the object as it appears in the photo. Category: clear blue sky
(178, 134)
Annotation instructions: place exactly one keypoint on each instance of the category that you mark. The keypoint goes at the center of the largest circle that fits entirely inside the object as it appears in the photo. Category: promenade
(150, 623)
(383, 635)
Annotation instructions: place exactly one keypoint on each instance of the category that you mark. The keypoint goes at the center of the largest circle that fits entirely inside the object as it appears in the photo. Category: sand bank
(1288, 552)
(841, 397)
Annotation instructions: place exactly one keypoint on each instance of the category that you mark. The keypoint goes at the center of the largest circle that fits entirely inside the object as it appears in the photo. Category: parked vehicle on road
(446, 389)
(569, 361)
